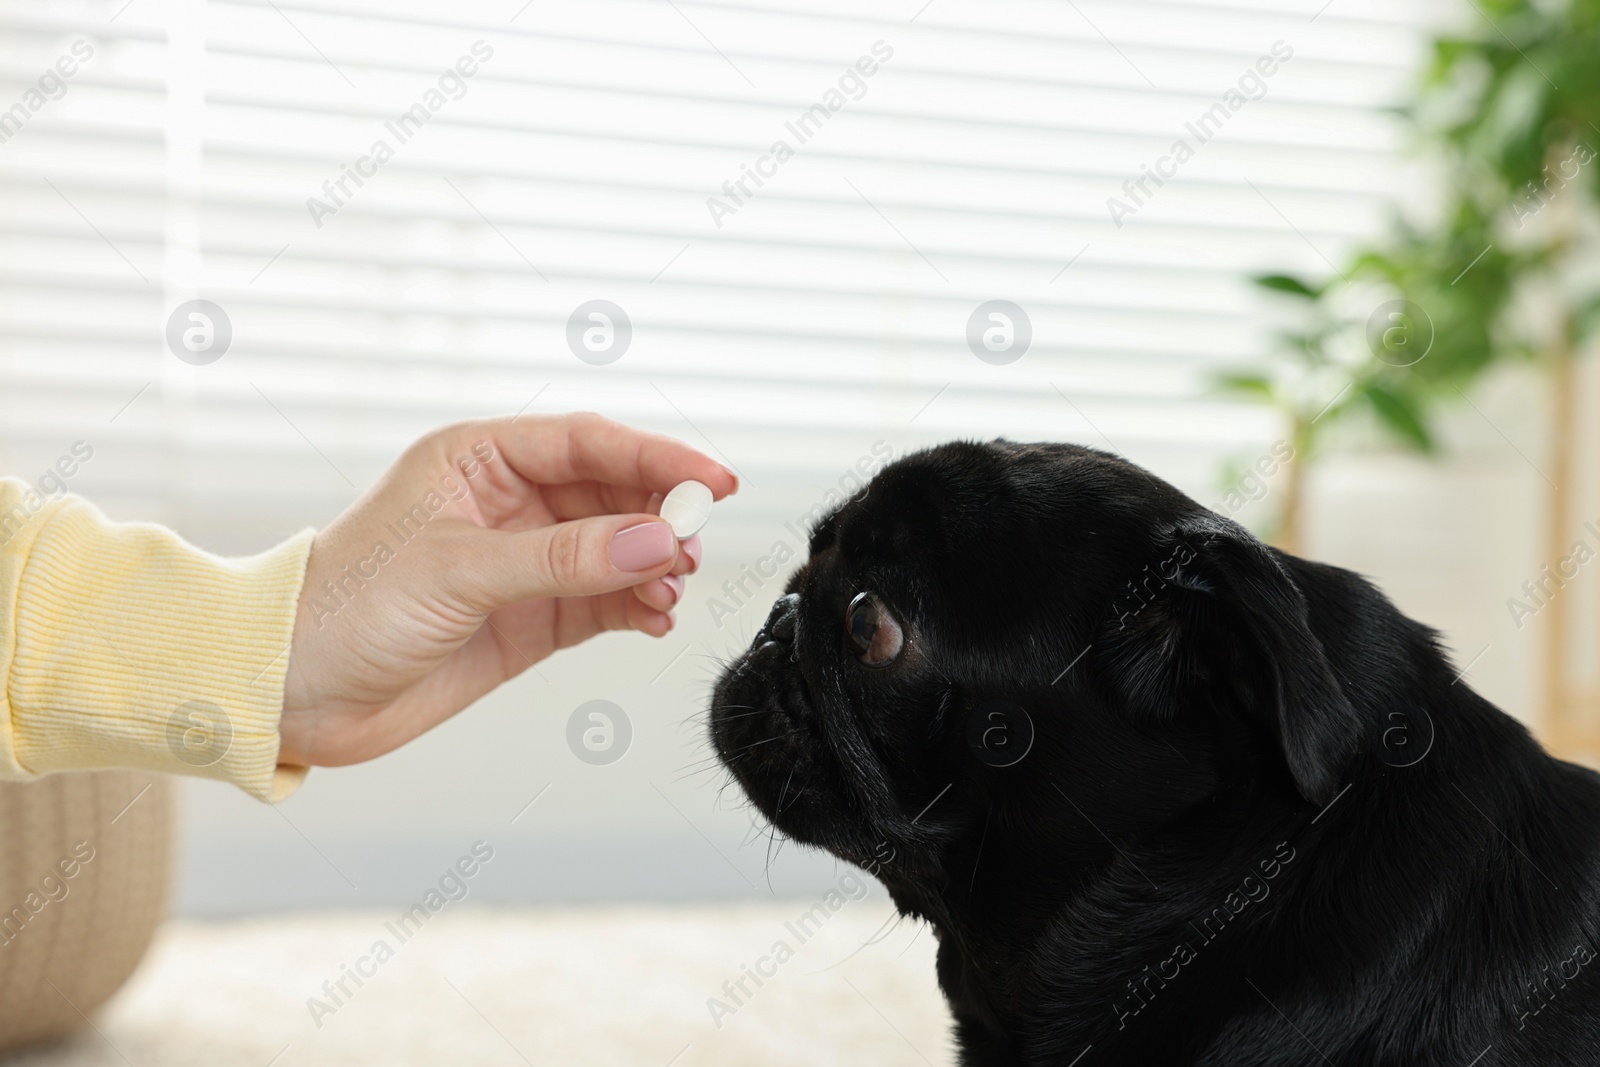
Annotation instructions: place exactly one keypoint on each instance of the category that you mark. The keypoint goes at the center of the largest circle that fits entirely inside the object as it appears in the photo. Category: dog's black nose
(781, 619)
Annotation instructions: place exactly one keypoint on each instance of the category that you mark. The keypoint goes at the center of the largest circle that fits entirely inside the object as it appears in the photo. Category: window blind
(402, 210)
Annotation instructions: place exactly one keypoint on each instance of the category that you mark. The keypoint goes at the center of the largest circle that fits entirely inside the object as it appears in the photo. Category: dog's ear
(1217, 622)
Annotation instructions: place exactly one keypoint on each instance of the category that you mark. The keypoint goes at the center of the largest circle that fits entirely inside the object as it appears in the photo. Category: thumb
(583, 557)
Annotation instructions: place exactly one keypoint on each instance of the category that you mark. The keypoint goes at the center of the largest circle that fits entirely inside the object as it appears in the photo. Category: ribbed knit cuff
(136, 649)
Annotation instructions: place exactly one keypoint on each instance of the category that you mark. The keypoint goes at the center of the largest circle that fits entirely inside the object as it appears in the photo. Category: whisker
(913, 940)
(745, 714)
(690, 772)
(755, 744)
(772, 836)
(785, 790)
(886, 930)
(701, 770)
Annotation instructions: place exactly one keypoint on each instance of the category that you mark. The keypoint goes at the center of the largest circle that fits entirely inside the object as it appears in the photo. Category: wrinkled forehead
(1000, 525)
(965, 489)
(916, 502)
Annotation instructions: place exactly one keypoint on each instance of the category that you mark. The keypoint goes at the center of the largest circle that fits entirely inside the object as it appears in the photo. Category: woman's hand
(486, 547)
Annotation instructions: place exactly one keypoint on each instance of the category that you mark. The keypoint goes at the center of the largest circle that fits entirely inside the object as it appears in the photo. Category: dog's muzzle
(782, 622)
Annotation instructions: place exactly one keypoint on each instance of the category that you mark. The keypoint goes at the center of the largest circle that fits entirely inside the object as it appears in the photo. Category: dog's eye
(873, 632)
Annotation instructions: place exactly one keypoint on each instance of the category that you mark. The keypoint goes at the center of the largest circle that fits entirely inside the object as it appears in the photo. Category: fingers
(584, 499)
(582, 618)
(556, 450)
(647, 620)
(584, 557)
(689, 553)
(579, 500)
(662, 594)
(634, 556)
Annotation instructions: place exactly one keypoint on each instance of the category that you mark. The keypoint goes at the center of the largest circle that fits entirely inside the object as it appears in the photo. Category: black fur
(1261, 821)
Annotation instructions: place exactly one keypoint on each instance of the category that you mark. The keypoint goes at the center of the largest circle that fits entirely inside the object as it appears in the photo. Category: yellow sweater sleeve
(121, 645)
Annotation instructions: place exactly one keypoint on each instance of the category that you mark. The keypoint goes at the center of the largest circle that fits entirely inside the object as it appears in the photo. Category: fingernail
(642, 547)
(693, 549)
(732, 474)
(675, 584)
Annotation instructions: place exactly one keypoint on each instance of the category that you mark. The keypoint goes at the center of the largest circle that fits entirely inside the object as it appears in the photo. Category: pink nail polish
(694, 550)
(675, 584)
(642, 547)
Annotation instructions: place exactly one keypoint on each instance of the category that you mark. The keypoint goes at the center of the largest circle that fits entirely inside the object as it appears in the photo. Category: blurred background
(1327, 266)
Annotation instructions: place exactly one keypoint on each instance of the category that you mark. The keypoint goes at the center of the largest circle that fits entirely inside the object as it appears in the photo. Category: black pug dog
(1165, 795)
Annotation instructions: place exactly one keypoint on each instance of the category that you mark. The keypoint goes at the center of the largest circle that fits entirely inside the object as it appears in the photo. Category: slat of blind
(1183, 32)
(976, 165)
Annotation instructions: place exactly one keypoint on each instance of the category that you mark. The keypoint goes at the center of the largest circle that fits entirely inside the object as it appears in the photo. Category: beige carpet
(560, 986)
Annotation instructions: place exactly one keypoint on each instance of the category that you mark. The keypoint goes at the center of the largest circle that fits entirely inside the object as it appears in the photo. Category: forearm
(122, 645)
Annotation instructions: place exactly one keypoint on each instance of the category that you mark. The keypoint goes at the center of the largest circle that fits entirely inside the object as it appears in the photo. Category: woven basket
(85, 860)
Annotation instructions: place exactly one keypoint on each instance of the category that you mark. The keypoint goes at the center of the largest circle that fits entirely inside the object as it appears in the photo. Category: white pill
(687, 508)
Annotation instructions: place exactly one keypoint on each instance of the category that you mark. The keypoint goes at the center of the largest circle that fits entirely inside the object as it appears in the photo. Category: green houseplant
(1508, 114)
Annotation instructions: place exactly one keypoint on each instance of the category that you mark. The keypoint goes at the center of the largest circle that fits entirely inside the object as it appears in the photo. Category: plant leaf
(1400, 414)
(1286, 283)
(1247, 383)
(1586, 318)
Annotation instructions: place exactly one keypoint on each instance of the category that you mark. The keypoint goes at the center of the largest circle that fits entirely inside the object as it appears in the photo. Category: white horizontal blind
(83, 207)
(783, 331)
